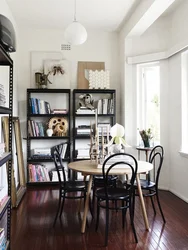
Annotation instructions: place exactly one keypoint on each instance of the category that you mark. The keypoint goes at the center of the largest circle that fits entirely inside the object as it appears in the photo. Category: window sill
(184, 154)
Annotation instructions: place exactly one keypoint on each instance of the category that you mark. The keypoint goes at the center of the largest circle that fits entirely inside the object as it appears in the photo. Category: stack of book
(2, 96)
(38, 173)
(2, 149)
(2, 239)
(83, 153)
(85, 111)
(38, 153)
(83, 130)
(59, 111)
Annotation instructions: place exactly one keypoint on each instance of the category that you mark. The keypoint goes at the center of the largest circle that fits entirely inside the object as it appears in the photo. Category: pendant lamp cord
(74, 10)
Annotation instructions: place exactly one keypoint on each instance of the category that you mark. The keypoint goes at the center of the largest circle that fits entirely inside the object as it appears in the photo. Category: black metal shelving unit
(96, 95)
(5, 60)
(43, 139)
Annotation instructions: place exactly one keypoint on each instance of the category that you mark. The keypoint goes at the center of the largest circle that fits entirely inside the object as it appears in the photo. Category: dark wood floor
(32, 226)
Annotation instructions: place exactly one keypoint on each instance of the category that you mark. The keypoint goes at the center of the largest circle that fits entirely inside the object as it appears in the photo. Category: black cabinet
(5, 206)
(104, 103)
(46, 108)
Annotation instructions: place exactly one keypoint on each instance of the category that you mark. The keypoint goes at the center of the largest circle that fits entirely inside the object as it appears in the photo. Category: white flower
(117, 132)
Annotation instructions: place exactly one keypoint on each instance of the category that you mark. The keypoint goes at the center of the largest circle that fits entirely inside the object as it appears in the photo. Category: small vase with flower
(146, 136)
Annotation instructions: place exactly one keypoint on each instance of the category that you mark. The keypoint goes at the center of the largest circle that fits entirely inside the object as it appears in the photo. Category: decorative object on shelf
(86, 101)
(57, 72)
(115, 145)
(49, 132)
(83, 67)
(59, 125)
(41, 80)
(75, 33)
(146, 136)
(99, 79)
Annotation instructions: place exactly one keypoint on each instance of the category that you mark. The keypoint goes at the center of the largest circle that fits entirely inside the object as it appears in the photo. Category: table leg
(142, 203)
(146, 155)
(80, 204)
(86, 207)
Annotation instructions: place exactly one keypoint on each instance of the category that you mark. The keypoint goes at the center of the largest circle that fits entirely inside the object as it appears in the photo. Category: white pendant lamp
(75, 33)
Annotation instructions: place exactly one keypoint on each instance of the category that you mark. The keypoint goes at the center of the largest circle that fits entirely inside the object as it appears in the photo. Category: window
(184, 101)
(148, 99)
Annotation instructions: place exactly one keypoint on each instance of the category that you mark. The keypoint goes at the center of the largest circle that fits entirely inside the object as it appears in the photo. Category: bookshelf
(104, 100)
(5, 205)
(46, 108)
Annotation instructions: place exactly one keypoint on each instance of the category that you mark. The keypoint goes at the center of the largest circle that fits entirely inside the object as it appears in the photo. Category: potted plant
(146, 135)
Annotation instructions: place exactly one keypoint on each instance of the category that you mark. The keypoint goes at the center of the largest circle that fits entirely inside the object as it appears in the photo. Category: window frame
(141, 95)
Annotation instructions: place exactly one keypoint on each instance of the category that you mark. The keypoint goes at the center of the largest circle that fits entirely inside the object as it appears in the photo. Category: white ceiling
(106, 15)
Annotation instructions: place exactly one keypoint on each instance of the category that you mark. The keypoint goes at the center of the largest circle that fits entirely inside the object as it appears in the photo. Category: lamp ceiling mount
(75, 33)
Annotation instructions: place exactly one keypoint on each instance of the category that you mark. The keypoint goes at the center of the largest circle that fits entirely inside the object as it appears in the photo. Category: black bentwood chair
(116, 198)
(150, 188)
(66, 187)
(98, 182)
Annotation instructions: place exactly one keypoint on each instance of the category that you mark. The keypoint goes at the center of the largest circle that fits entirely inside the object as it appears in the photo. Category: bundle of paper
(119, 158)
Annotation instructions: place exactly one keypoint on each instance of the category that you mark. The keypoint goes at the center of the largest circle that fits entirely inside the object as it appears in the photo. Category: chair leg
(59, 205)
(107, 227)
(93, 198)
(62, 205)
(123, 215)
(132, 221)
(154, 210)
(157, 195)
(133, 202)
(97, 220)
(91, 207)
(152, 202)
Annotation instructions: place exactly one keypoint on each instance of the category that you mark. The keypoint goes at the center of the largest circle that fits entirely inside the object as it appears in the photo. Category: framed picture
(18, 187)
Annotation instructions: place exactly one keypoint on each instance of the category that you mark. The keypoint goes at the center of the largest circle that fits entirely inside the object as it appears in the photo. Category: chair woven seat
(145, 184)
(113, 193)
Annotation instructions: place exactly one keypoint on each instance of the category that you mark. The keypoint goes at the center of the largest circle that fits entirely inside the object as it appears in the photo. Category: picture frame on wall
(18, 186)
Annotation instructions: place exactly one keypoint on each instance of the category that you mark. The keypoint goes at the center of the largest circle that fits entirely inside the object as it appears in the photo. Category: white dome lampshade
(75, 33)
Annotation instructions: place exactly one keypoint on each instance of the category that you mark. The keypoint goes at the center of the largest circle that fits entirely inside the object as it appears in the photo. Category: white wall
(100, 46)
(165, 34)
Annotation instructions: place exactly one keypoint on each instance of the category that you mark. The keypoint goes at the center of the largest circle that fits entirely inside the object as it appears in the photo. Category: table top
(89, 167)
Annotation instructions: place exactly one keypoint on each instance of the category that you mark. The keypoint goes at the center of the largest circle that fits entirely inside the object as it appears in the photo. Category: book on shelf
(38, 106)
(2, 149)
(64, 150)
(83, 131)
(54, 175)
(41, 151)
(38, 173)
(59, 111)
(36, 128)
(2, 239)
(105, 106)
(83, 153)
(84, 110)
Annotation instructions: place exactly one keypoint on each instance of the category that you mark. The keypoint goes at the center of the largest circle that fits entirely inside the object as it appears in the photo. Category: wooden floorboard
(32, 226)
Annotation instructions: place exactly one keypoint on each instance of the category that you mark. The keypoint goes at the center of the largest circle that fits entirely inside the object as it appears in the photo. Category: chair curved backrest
(115, 160)
(156, 157)
(57, 153)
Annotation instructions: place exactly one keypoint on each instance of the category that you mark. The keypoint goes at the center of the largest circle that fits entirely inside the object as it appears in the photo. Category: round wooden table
(88, 167)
